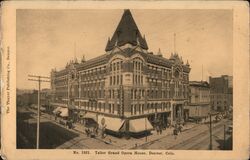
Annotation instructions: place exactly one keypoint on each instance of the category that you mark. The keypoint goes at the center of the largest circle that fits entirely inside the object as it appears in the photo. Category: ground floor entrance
(177, 113)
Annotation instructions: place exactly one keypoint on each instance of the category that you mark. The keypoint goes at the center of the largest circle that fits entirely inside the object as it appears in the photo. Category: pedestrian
(157, 129)
(160, 128)
(70, 123)
(103, 131)
(175, 133)
(96, 130)
(67, 123)
(179, 128)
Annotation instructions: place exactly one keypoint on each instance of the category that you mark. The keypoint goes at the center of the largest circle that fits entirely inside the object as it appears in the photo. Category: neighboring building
(128, 86)
(199, 101)
(221, 92)
(46, 99)
(26, 97)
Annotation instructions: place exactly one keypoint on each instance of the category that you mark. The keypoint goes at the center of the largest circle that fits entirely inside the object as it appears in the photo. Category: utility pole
(224, 146)
(211, 145)
(146, 129)
(202, 73)
(38, 79)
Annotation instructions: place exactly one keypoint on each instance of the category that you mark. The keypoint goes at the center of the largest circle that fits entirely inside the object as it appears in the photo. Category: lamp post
(146, 129)
(210, 131)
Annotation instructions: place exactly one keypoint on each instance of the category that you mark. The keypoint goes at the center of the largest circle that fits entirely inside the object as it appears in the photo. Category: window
(118, 66)
(132, 109)
(100, 94)
(113, 108)
(109, 108)
(110, 81)
(121, 79)
(104, 107)
(135, 109)
(118, 80)
(148, 107)
(139, 108)
(118, 93)
(114, 80)
(114, 66)
(100, 106)
(113, 94)
(132, 96)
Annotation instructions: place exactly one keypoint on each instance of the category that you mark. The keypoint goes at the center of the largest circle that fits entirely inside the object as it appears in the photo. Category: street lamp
(210, 131)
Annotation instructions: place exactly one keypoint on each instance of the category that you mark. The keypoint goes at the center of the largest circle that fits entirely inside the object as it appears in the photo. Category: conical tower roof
(126, 32)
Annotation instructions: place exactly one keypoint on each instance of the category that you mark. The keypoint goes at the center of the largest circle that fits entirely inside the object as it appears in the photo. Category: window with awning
(140, 125)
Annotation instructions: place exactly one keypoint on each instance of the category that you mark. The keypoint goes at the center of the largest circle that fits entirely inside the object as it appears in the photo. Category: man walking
(175, 131)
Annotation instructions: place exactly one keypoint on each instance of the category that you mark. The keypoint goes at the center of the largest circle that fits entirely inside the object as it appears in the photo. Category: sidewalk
(123, 143)
(131, 143)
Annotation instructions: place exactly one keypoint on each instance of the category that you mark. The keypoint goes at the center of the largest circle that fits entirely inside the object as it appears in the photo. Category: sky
(48, 39)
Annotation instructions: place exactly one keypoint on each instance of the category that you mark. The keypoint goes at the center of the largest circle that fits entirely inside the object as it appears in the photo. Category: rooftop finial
(174, 43)
(83, 59)
(159, 51)
(75, 51)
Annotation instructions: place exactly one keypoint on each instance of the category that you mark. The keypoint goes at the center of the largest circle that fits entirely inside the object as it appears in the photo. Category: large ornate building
(128, 86)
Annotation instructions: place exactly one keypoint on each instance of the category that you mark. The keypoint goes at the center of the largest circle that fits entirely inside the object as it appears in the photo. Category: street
(52, 135)
(55, 135)
(197, 138)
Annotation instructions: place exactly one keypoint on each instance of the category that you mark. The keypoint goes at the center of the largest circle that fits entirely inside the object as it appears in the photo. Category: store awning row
(57, 110)
(140, 125)
(90, 115)
(62, 111)
(111, 123)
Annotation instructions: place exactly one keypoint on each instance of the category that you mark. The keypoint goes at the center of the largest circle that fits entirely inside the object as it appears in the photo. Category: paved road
(52, 135)
(201, 141)
(197, 138)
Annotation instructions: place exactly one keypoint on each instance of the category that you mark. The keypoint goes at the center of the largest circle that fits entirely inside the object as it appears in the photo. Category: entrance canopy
(140, 125)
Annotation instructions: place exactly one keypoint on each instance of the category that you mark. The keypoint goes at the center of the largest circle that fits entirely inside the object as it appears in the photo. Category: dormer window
(176, 74)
